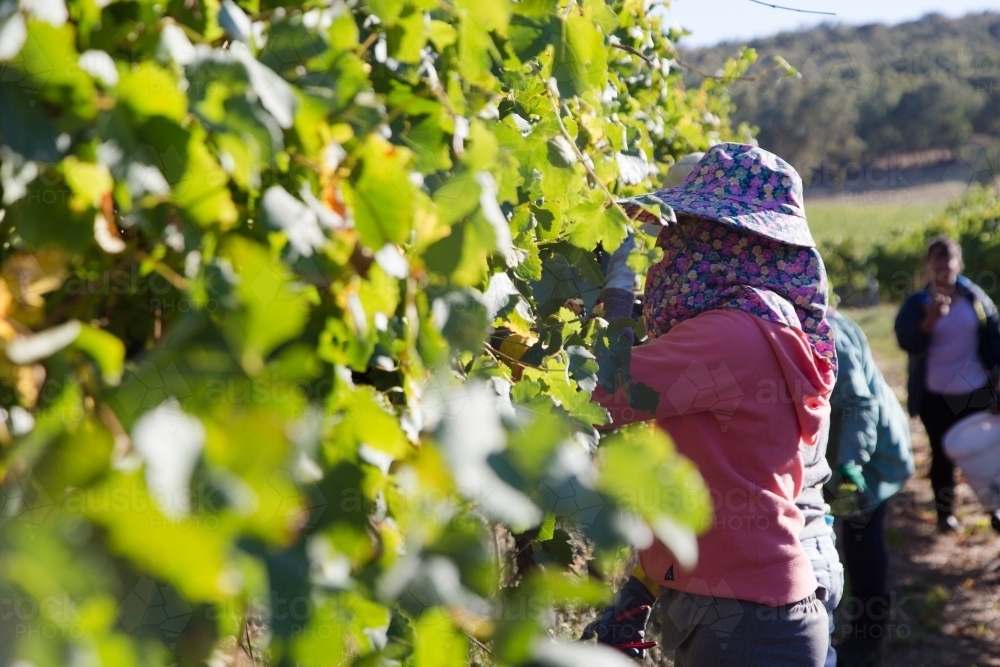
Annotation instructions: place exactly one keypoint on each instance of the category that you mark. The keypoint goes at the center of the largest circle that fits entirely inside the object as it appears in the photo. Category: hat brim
(774, 223)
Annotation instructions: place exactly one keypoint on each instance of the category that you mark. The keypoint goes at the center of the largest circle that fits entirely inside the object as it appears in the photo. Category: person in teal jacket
(869, 450)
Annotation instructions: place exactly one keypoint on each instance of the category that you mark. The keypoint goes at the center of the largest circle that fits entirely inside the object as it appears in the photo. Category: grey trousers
(705, 631)
(822, 552)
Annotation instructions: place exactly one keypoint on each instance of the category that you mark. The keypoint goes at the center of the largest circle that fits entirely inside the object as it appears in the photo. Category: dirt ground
(946, 587)
(946, 610)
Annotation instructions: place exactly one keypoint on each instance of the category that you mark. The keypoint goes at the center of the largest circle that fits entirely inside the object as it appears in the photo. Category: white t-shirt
(953, 365)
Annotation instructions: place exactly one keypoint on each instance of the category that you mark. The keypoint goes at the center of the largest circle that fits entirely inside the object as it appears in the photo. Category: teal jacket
(868, 426)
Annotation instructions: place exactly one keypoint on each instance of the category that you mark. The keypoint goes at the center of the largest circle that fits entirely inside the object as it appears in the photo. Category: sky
(714, 21)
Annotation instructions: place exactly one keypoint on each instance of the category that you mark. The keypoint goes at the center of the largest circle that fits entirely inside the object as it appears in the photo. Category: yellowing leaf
(89, 181)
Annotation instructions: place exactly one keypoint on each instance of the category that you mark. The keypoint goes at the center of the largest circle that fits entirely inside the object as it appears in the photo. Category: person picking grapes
(743, 361)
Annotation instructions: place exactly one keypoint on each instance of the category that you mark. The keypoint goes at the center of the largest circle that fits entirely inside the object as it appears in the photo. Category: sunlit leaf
(149, 90)
(667, 491)
(276, 308)
(383, 195)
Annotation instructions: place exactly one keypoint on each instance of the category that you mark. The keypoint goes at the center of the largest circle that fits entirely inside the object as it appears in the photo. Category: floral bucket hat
(739, 185)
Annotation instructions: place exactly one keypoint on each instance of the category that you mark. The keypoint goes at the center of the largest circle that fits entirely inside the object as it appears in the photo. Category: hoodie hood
(808, 377)
(707, 266)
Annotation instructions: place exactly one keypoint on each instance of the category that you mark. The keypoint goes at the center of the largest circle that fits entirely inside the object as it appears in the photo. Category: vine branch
(676, 58)
(634, 51)
(506, 357)
(584, 160)
(749, 79)
(793, 9)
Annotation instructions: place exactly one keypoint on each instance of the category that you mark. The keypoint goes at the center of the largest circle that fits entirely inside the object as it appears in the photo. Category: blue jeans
(822, 552)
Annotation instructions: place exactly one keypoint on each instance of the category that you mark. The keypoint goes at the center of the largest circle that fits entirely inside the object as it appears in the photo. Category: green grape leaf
(613, 353)
(149, 90)
(48, 65)
(530, 35)
(439, 642)
(666, 490)
(567, 273)
(27, 132)
(276, 308)
(583, 367)
(560, 546)
(90, 182)
(442, 35)
(408, 37)
(580, 63)
(382, 196)
(363, 419)
(387, 10)
(462, 318)
(105, 349)
(202, 192)
(594, 221)
(157, 544)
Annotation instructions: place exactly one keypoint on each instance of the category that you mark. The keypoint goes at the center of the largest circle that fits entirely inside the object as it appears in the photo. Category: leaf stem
(478, 643)
(634, 51)
(365, 45)
(725, 79)
(171, 276)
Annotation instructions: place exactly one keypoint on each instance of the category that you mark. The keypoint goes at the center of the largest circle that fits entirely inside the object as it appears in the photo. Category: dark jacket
(916, 342)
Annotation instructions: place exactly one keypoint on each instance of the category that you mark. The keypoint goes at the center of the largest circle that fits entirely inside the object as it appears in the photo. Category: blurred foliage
(860, 273)
(252, 255)
(869, 91)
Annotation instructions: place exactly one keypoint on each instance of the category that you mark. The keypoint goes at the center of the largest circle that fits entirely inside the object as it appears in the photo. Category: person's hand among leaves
(622, 625)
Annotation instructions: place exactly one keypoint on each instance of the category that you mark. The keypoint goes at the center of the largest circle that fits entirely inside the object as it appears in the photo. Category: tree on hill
(866, 92)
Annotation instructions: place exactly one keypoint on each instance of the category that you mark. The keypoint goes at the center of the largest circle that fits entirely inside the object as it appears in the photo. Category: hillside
(927, 89)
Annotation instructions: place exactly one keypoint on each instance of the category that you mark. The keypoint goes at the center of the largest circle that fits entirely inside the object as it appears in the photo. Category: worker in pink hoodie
(743, 361)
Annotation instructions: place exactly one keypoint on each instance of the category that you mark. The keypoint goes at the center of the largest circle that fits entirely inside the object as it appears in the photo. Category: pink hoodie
(738, 395)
